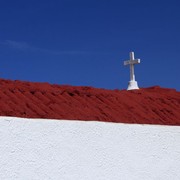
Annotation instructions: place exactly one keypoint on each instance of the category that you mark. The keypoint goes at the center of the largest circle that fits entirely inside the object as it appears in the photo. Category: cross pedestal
(132, 83)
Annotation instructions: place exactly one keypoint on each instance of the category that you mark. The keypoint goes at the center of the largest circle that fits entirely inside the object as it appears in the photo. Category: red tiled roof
(153, 105)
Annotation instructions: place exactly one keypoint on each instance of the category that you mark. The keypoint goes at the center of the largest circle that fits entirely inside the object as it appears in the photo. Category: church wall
(78, 150)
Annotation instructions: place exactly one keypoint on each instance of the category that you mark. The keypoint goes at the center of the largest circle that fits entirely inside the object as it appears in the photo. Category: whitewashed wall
(76, 150)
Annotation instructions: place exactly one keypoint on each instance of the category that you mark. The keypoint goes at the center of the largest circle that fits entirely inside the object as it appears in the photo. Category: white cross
(132, 83)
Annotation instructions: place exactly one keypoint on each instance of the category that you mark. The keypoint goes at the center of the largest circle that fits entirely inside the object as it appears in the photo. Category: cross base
(132, 85)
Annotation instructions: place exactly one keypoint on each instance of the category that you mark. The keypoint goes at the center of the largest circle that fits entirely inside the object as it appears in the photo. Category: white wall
(76, 150)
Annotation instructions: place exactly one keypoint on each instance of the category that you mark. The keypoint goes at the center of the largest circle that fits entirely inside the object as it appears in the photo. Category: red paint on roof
(153, 105)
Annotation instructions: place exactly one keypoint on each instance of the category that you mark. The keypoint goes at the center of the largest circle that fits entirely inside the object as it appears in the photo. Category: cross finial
(132, 83)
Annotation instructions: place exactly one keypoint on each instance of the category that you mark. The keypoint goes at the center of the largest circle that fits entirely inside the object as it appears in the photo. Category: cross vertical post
(132, 83)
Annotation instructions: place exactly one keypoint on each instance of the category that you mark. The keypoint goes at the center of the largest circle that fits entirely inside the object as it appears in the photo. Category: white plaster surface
(32, 149)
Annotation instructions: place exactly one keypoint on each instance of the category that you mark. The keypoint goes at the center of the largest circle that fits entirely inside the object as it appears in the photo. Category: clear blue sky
(84, 42)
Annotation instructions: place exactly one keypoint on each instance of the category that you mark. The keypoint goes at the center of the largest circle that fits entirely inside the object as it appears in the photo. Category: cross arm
(135, 61)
